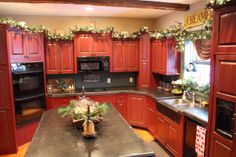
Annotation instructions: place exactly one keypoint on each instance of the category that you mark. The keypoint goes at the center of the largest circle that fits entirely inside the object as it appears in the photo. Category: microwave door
(90, 66)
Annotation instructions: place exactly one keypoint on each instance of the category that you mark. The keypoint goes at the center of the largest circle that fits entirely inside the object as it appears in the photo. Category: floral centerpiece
(78, 110)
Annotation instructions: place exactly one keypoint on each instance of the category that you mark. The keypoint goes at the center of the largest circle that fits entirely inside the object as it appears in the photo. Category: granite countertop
(196, 113)
(154, 93)
(57, 137)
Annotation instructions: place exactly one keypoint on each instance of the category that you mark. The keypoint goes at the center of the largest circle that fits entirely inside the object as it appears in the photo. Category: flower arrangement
(78, 110)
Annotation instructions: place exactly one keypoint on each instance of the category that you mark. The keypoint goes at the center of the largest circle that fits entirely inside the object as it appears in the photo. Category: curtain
(203, 48)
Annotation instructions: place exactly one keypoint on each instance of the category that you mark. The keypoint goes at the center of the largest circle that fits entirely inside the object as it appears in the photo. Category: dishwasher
(190, 136)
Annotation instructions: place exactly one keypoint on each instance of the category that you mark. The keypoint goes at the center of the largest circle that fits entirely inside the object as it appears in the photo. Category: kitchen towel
(200, 141)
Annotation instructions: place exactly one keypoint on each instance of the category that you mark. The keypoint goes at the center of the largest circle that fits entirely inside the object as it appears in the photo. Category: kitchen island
(57, 137)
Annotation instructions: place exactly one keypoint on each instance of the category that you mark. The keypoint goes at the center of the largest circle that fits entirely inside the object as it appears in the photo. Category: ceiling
(48, 9)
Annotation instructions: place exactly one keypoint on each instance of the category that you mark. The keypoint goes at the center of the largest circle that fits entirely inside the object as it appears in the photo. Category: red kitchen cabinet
(86, 45)
(170, 133)
(222, 140)
(25, 133)
(92, 45)
(103, 98)
(165, 57)
(161, 129)
(151, 115)
(59, 57)
(16, 38)
(118, 56)
(137, 110)
(7, 115)
(131, 55)
(34, 46)
(144, 76)
(224, 40)
(25, 46)
(125, 56)
(102, 45)
(58, 102)
(121, 105)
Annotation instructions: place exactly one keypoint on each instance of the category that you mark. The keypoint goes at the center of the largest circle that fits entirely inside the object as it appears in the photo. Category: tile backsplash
(98, 80)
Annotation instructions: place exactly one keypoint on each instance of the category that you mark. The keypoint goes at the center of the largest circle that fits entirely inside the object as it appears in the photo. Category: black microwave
(93, 64)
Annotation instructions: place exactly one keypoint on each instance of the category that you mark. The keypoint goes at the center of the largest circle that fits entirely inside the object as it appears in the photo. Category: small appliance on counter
(177, 87)
(28, 89)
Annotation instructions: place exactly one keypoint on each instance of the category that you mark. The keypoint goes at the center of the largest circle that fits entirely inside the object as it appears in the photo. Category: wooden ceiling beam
(114, 3)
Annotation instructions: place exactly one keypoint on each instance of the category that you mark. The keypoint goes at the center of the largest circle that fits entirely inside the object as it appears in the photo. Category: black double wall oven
(29, 92)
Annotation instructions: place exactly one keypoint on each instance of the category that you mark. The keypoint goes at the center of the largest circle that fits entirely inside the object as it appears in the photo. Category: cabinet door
(137, 110)
(121, 105)
(156, 47)
(16, 46)
(219, 149)
(118, 56)
(25, 133)
(161, 55)
(58, 102)
(33, 45)
(144, 75)
(52, 58)
(66, 56)
(151, 120)
(172, 138)
(225, 75)
(83, 45)
(224, 39)
(7, 133)
(131, 55)
(161, 129)
(172, 58)
(102, 45)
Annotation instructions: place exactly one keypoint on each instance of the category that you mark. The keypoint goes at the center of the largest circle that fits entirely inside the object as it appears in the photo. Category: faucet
(190, 97)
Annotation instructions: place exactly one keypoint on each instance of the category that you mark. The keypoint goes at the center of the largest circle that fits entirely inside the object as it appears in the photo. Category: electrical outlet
(108, 80)
(131, 80)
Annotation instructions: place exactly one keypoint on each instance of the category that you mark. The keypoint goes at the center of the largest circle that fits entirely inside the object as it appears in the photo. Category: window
(201, 68)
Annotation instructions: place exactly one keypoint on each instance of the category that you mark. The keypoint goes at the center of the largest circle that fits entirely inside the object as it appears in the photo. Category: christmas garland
(176, 31)
(213, 3)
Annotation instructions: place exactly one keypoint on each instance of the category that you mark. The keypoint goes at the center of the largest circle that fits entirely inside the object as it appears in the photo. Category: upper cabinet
(25, 46)
(125, 56)
(89, 44)
(224, 30)
(59, 57)
(165, 58)
(92, 45)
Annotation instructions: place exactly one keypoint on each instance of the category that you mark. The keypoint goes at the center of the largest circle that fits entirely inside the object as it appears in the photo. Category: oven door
(28, 84)
(29, 109)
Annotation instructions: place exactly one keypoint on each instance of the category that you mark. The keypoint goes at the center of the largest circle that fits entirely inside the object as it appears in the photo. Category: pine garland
(213, 3)
(176, 31)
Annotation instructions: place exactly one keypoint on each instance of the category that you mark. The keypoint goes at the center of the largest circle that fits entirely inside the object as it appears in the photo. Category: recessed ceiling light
(89, 9)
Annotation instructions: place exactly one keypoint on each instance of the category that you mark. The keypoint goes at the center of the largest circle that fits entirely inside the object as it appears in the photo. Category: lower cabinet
(137, 110)
(151, 115)
(170, 134)
(25, 133)
(221, 146)
(121, 105)
(55, 102)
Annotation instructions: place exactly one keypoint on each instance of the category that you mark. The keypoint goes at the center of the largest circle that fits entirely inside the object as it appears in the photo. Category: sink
(177, 105)
(177, 102)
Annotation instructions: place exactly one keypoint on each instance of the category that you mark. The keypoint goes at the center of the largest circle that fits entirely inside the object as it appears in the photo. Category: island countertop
(57, 137)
